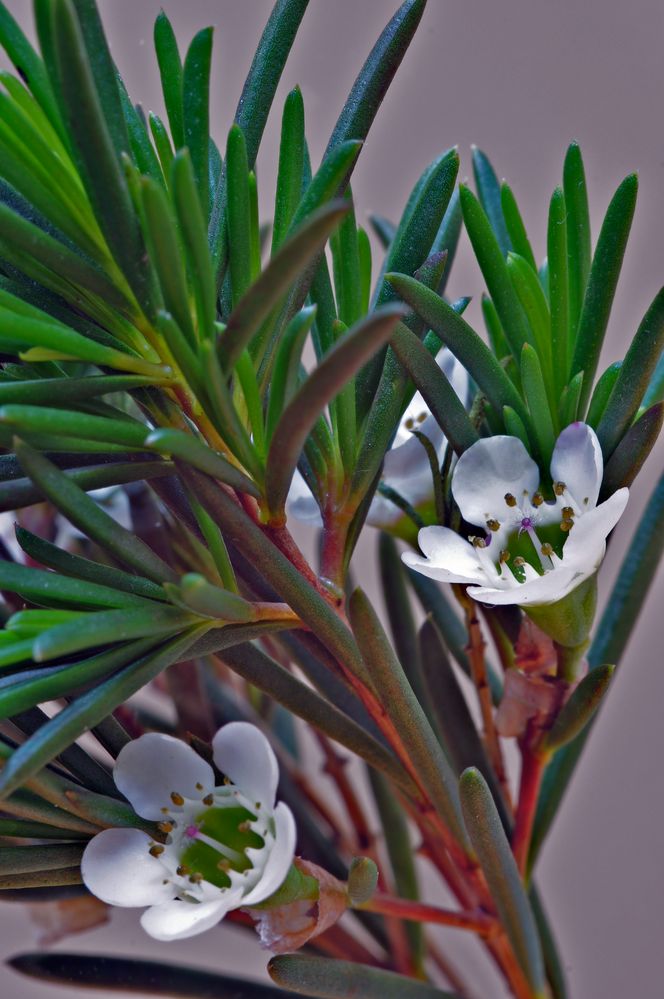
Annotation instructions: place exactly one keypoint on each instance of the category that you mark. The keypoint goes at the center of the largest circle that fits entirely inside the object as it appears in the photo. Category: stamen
(477, 542)
(410, 423)
(208, 799)
(244, 827)
(566, 525)
(504, 556)
(538, 499)
(196, 878)
(221, 848)
(182, 870)
(176, 798)
(192, 832)
(519, 561)
(547, 549)
(559, 488)
(510, 499)
(224, 865)
(156, 850)
(199, 786)
(568, 512)
(493, 525)
(166, 827)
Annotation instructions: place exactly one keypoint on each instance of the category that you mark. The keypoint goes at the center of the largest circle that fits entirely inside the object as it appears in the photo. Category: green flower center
(217, 843)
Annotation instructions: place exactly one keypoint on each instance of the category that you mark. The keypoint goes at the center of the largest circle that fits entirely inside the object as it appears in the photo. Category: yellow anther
(176, 798)
(208, 799)
(559, 488)
(538, 499)
(166, 827)
(478, 542)
(196, 878)
(510, 499)
(224, 865)
(244, 827)
(505, 555)
(568, 513)
(566, 525)
(199, 786)
(410, 423)
(547, 549)
(519, 561)
(493, 525)
(181, 871)
(156, 850)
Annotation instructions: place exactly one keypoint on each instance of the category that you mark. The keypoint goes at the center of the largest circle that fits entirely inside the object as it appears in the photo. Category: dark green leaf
(195, 593)
(579, 710)
(578, 232)
(28, 859)
(182, 445)
(84, 513)
(193, 231)
(495, 856)
(384, 229)
(337, 367)
(535, 394)
(58, 391)
(602, 393)
(562, 344)
(104, 627)
(328, 978)
(515, 227)
(67, 423)
(28, 64)
(602, 282)
(196, 111)
(129, 975)
(286, 372)
(38, 585)
(627, 460)
(291, 166)
(488, 190)
(170, 69)
(633, 378)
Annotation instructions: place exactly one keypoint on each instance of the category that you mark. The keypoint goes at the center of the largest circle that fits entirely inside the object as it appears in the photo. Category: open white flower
(534, 552)
(406, 467)
(226, 846)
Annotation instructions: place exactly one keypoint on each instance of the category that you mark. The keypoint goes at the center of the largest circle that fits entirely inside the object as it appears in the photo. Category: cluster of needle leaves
(152, 335)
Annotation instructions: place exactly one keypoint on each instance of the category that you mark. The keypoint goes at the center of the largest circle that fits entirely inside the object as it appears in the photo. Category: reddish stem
(533, 765)
(404, 908)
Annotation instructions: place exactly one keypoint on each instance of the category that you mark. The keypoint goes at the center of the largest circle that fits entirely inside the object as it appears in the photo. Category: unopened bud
(362, 880)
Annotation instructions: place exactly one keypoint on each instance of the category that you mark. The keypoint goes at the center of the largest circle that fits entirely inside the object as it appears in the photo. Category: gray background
(520, 78)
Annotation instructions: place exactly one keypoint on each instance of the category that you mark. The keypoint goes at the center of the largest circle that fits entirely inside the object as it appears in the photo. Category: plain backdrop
(520, 78)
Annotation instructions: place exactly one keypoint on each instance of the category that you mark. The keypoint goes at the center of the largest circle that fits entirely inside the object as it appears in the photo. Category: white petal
(301, 504)
(587, 540)
(154, 765)
(117, 868)
(242, 752)
(577, 461)
(448, 557)
(546, 589)
(176, 920)
(280, 859)
(488, 470)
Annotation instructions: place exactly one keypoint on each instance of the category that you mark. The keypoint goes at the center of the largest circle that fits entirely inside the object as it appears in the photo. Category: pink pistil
(191, 832)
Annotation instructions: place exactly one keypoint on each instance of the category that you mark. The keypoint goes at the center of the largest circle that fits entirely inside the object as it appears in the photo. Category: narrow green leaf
(28, 64)
(384, 230)
(131, 975)
(193, 230)
(552, 962)
(196, 111)
(291, 167)
(492, 264)
(346, 259)
(538, 405)
(655, 392)
(633, 378)
(328, 978)
(27, 859)
(488, 190)
(602, 282)
(164, 246)
(163, 145)
(500, 870)
(578, 233)
(142, 151)
(85, 514)
(42, 879)
(38, 585)
(494, 328)
(83, 713)
(339, 365)
(616, 625)
(570, 400)
(182, 445)
(284, 267)
(286, 372)
(96, 158)
(602, 393)
(561, 343)
(515, 226)
(580, 708)
(377, 73)
(436, 390)
(22, 829)
(170, 70)
(536, 308)
(127, 432)
(249, 662)
(627, 460)
(20, 492)
(462, 340)
(57, 391)
(204, 598)
(406, 713)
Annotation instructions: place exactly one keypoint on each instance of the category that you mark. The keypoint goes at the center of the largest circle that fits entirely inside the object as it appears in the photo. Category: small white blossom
(533, 551)
(225, 846)
(406, 467)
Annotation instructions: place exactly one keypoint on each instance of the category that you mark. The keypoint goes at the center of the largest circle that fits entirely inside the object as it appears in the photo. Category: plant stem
(404, 908)
(533, 765)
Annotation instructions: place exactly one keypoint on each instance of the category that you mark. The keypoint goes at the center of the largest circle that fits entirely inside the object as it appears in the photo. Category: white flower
(534, 552)
(226, 846)
(406, 467)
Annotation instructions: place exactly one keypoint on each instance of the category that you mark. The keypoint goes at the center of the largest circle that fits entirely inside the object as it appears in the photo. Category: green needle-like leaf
(127, 432)
(131, 975)
(578, 233)
(194, 592)
(39, 586)
(602, 282)
(286, 371)
(489, 193)
(26, 859)
(492, 264)
(196, 111)
(298, 250)
(515, 226)
(633, 378)
(85, 514)
(57, 391)
(580, 708)
(561, 343)
(332, 979)
(194, 236)
(535, 393)
(109, 626)
(182, 445)
(407, 714)
(31, 67)
(627, 460)
(493, 850)
(338, 366)
(291, 167)
(602, 393)
(462, 340)
(436, 390)
(170, 69)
